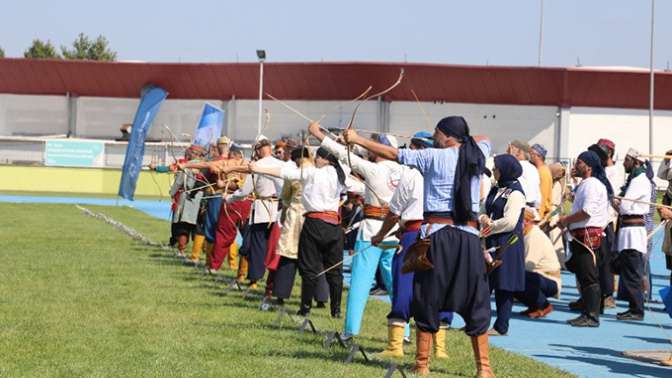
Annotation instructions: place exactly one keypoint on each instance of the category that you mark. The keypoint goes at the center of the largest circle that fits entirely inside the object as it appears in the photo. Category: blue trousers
(402, 284)
(211, 218)
(364, 266)
(504, 302)
(537, 290)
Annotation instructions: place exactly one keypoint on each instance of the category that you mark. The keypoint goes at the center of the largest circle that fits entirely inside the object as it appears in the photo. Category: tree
(85, 48)
(41, 50)
(2, 53)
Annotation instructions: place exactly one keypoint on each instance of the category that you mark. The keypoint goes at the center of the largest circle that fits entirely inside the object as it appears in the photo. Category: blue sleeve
(419, 159)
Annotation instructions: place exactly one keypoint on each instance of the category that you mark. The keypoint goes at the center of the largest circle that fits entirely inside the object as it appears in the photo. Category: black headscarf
(509, 171)
(593, 161)
(333, 161)
(601, 152)
(470, 164)
(299, 153)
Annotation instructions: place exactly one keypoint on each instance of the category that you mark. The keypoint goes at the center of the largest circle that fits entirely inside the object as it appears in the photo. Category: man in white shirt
(381, 177)
(264, 210)
(586, 224)
(530, 180)
(632, 240)
(616, 179)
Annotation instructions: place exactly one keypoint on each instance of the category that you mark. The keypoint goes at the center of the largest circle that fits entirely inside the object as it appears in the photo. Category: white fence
(31, 151)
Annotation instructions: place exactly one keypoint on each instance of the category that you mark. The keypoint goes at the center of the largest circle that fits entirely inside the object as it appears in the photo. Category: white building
(564, 109)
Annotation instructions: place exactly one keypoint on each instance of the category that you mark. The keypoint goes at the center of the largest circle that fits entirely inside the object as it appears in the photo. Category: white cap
(635, 155)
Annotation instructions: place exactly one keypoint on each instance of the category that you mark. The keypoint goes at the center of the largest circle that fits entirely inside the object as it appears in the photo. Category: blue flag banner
(210, 126)
(150, 102)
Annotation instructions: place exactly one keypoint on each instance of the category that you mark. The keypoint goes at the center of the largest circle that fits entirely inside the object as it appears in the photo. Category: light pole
(261, 55)
(651, 81)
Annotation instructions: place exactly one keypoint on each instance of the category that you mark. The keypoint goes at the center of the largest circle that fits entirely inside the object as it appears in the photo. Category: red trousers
(230, 217)
(272, 258)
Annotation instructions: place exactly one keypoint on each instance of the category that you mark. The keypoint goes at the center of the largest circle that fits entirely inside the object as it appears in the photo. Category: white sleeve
(288, 172)
(591, 200)
(399, 199)
(512, 210)
(359, 165)
(247, 188)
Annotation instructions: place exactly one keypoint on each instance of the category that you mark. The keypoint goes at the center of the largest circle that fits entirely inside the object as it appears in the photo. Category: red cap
(608, 143)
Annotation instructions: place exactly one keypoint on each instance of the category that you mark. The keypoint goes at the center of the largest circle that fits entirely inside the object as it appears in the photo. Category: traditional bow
(378, 94)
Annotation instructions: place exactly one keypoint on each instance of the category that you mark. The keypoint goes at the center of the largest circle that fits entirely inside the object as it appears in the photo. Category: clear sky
(497, 32)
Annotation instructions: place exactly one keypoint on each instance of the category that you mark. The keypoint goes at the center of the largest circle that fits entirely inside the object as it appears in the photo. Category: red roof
(340, 81)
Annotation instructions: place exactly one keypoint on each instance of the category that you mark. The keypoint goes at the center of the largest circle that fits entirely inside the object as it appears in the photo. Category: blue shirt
(438, 165)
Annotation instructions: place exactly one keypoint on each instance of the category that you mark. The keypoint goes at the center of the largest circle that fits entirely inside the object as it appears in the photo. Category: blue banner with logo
(150, 102)
(210, 126)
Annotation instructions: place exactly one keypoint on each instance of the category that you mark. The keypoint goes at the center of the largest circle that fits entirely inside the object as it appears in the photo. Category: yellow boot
(395, 342)
(233, 256)
(196, 248)
(439, 339)
(242, 269)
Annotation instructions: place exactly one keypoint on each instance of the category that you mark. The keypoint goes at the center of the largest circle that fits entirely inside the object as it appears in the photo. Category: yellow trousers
(197, 247)
(233, 256)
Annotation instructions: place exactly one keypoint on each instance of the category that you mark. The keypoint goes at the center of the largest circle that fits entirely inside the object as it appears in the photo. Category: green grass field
(80, 298)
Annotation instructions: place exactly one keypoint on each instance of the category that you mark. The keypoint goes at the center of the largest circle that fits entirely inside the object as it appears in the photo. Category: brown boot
(480, 347)
(423, 348)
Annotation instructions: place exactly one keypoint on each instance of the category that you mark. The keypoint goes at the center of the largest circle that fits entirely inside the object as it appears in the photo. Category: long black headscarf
(333, 161)
(593, 161)
(470, 164)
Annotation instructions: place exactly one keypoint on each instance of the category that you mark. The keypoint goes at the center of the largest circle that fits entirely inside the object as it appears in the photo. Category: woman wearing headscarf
(321, 238)
(586, 224)
(502, 222)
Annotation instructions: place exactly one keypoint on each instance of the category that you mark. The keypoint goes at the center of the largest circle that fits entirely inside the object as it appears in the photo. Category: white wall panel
(283, 122)
(628, 128)
(502, 123)
(33, 115)
(102, 117)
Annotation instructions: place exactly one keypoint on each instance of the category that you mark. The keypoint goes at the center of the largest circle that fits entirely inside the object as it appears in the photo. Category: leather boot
(207, 248)
(395, 342)
(242, 269)
(481, 353)
(307, 294)
(593, 301)
(423, 348)
(335, 295)
(439, 339)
